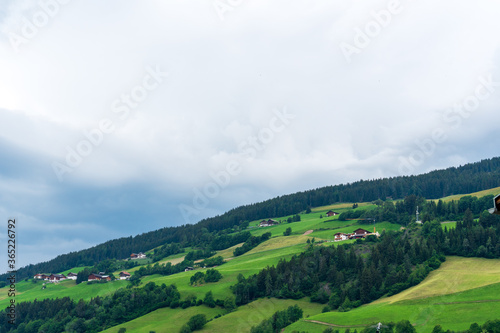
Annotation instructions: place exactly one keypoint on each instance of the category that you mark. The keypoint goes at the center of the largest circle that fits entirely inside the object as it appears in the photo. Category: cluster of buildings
(72, 276)
(139, 255)
(56, 277)
(356, 234)
(268, 223)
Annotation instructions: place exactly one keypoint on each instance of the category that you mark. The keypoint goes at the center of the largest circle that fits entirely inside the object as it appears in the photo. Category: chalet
(41, 277)
(124, 275)
(98, 277)
(268, 223)
(331, 213)
(72, 276)
(56, 277)
(339, 236)
(139, 255)
(359, 233)
(188, 269)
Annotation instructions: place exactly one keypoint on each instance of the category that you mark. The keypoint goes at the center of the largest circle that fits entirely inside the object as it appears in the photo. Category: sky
(122, 117)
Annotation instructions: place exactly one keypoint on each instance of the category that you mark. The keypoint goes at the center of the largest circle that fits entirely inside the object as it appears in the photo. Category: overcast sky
(122, 117)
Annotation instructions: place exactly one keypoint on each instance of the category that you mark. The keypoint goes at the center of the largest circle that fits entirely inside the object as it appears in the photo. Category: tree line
(66, 315)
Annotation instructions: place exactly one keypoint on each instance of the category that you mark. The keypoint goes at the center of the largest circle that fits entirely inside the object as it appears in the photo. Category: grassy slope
(462, 291)
(168, 320)
(493, 191)
(165, 320)
(29, 291)
(267, 253)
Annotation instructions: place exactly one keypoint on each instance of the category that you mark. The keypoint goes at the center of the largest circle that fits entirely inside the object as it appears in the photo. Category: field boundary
(333, 325)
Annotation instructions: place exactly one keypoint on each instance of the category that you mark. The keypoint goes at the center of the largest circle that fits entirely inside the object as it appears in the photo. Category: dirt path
(469, 302)
(333, 325)
(307, 232)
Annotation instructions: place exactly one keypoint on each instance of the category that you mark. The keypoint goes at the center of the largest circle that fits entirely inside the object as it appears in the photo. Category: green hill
(463, 287)
(462, 291)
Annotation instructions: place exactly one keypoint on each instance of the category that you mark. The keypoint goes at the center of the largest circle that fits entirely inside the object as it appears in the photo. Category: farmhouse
(72, 276)
(359, 233)
(268, 223)
(41, 277)
(98, 277)
(188, 269)
(331, 213)
(124, 275)
(56, 277)
(139, 255)
(339, 236)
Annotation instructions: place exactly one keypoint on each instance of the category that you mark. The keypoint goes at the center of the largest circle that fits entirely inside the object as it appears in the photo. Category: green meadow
(29, 291)
(462, 291)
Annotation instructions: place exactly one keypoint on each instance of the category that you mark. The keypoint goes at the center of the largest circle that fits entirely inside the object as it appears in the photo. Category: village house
(41, 277)
(124, 275)
(188, 269)
(359, 233)
(356, 234)
(139, 255)
(268, 223)
(72, 276)
(331, 213)
(98, 277)
(56, 277)
(339, 236)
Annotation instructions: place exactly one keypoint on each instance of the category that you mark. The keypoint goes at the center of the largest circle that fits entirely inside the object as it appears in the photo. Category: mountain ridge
(468, 178)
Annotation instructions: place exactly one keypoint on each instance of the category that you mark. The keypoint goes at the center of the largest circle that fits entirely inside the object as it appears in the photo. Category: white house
(339, 236)
(72, 276)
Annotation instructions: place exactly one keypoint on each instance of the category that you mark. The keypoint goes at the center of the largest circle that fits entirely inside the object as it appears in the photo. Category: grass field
(492, 191)
(449, 224)
(171, 320)
(165, 320)
(328, 234)
(246, 264)
(29, 291)
(461, 292)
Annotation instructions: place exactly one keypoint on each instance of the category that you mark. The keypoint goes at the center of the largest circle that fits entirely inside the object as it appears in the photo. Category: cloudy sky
(121, 117)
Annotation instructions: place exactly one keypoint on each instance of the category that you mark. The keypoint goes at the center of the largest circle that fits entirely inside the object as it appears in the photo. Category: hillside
(469, 178)
(462, 291)
(295, 262)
